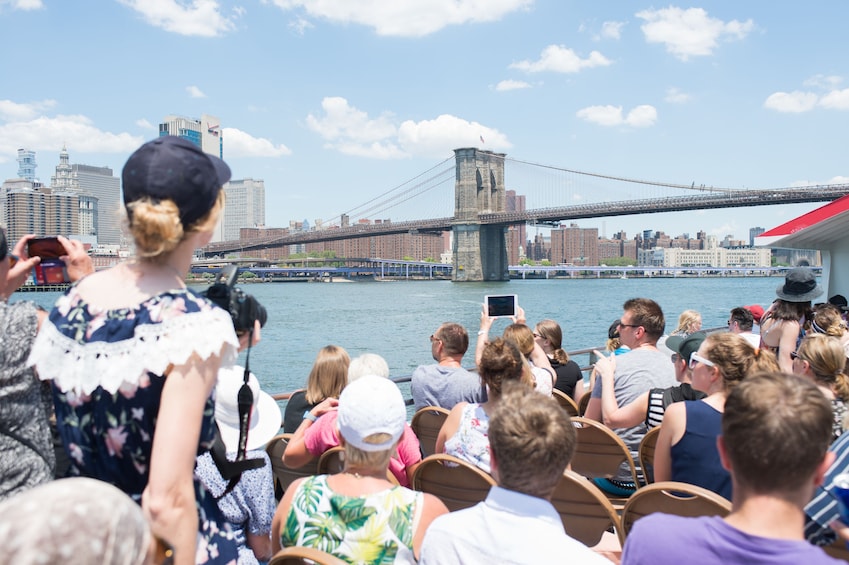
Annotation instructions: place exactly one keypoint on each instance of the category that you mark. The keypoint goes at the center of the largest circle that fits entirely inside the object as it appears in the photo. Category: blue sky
(333, 102)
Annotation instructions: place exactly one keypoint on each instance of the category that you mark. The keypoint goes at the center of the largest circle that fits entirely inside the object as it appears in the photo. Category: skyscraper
(26, 164)
(205, 132)
(101, 183)
(244, 207)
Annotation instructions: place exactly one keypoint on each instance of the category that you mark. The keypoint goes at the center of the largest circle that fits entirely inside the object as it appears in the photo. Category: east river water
(395, 319)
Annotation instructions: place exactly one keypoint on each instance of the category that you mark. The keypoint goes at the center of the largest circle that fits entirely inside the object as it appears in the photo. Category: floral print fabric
(375, 528)
(471, 440)
(107, 419)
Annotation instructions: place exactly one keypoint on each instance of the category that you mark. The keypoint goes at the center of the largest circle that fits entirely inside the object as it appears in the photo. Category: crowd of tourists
(128, 435)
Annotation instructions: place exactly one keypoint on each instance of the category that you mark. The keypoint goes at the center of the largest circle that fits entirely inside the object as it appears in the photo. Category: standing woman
(821, 358)
(783, 325)
(569, 379)
(327, 378)
(686, 447)
(133, 355)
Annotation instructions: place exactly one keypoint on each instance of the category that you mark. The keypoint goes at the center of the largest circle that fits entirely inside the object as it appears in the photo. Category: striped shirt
(823, 508)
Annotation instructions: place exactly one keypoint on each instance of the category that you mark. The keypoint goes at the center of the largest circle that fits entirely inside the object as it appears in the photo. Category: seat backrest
(646, 453)
(332, 461)
(584, 509)
(283, 475)
(426, 424)
(457, 483)
(669, 497)
(583, 403)
(565, 402)
(297, 555)
(599, 451)
(838, 550)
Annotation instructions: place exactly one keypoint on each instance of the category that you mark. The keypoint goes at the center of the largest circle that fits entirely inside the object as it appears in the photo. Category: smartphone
(500, 305)
(51, 269)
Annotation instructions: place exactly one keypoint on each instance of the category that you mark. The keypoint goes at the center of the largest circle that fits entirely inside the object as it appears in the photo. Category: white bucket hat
(265, 417)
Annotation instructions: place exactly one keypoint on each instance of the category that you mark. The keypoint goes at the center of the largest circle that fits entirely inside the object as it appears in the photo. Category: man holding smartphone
(446, 383)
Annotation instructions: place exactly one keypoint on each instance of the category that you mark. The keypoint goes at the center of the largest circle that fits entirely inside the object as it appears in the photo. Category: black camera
(243, 308)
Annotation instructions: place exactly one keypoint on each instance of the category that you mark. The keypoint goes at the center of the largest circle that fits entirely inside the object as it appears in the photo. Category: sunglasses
(675, 357)
(696, 358)
(621, 325)
(794, 355)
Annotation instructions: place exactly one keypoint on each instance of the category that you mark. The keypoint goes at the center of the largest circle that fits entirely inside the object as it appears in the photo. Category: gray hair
(367, 364)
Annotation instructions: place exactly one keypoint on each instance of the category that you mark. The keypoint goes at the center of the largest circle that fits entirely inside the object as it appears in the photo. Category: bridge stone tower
(480, 251)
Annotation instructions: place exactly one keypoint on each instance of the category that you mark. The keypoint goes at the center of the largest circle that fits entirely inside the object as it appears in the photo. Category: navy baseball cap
(173, 168)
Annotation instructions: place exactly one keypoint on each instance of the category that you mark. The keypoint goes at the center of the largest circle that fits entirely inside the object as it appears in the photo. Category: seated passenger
(249, 503)
(569, 378)
(358, 515)
(650, 406)
(686, 447)
(446, 382)
(319, 432)
(821, 359)
(532, 441)
(327, 378)
(775, 433)
(465, 432)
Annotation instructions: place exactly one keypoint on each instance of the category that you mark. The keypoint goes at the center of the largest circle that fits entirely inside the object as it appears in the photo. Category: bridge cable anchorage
(356, 208)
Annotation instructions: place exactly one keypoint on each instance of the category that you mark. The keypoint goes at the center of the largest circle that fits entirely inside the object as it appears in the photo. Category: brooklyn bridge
(480, 216)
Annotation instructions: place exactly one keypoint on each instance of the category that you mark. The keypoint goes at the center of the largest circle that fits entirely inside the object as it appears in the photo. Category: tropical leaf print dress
(107, 368)
(376, 528)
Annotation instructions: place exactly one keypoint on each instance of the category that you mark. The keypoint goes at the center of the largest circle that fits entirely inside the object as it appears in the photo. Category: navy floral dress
(107, 370)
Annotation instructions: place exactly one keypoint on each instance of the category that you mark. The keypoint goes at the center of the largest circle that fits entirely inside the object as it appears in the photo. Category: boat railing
(586, 355)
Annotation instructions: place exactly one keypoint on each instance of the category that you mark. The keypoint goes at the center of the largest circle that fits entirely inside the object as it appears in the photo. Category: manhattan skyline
(336, 102)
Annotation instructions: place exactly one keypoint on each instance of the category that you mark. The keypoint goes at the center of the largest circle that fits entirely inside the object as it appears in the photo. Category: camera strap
(232, 470)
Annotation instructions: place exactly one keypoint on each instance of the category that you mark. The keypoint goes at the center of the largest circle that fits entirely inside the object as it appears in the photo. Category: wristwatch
(309, 416)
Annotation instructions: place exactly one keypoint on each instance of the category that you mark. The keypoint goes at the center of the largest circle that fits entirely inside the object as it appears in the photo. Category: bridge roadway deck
(383, 268)
(743, 198)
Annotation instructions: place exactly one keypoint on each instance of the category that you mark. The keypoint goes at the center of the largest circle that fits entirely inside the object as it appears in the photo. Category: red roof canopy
(814, 230)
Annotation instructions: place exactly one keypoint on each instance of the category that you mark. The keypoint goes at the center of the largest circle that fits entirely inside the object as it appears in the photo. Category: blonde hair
(374, 460)
(687, 322)
(825, 355)
(522, 336)
(329, 374)
(156, 227)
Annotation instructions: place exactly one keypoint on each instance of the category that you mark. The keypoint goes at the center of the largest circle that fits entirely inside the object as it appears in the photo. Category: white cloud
(609, 116)
(510, 84)
(241, 144)
(791, 102)
(201, 18)
(351, 131)
(559, 59)
(51, 133)
(409, 18)
(195, 92)
(14, 111)
(144, 124)
(446, 132)
(612, 30)
(691, 32)
(823, 81)
(836, 100)
(25, 5)
(675, 96)
(300, 25)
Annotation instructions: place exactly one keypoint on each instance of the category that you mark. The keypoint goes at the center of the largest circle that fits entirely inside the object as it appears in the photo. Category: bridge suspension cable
(693, 186)
(387, 199)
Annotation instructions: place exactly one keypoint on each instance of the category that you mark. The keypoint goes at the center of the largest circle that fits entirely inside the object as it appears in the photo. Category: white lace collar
(82, 367)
